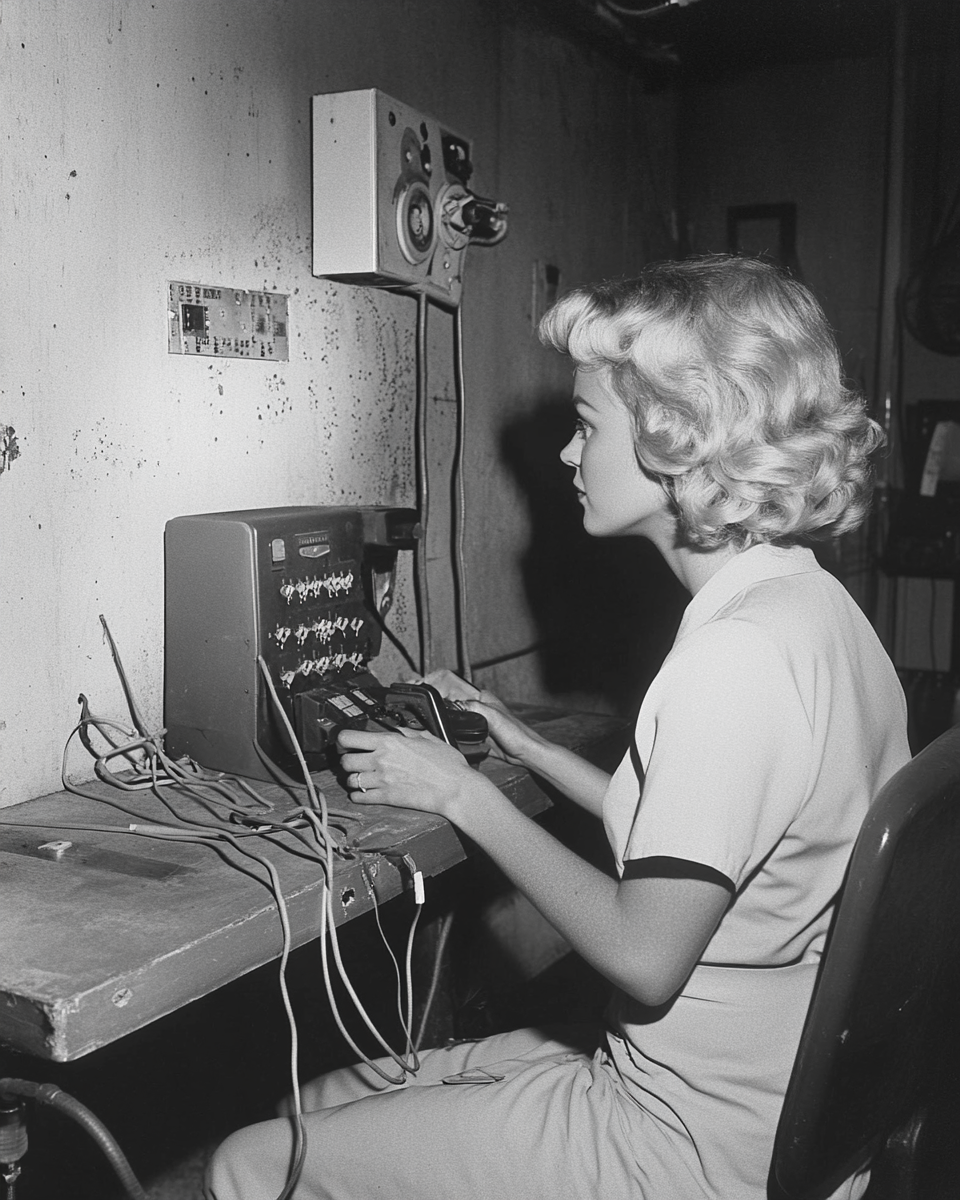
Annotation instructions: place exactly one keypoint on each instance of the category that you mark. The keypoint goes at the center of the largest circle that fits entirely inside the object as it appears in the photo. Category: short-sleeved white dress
(774, 720)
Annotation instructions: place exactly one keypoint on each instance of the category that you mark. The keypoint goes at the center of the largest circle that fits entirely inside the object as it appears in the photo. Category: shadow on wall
(606, 609)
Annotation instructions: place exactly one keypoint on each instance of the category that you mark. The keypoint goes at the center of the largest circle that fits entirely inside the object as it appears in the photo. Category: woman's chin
(596, 528)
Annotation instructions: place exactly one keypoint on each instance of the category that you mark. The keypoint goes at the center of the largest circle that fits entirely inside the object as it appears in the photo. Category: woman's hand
(513, 740)
(408, 769)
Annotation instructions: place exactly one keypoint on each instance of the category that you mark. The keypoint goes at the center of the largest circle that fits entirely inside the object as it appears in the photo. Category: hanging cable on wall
(459, 503)
(458, 497)
(423, 492)
(424, 219)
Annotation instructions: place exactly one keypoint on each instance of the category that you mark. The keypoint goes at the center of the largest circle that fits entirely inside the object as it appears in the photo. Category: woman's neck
(694, 566)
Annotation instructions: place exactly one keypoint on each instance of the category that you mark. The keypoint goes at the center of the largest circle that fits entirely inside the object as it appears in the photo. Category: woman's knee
(251, 1163)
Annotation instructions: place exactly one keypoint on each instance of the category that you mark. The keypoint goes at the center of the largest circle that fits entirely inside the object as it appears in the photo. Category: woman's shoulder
(806, 604)
(730, 660)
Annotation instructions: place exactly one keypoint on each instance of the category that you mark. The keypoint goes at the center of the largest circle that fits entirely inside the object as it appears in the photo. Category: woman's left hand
(407, 769)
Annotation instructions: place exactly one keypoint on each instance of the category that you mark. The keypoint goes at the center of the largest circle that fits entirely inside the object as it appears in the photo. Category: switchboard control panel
(285, 585)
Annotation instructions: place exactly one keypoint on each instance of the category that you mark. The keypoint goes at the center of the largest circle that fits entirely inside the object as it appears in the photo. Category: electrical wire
(442, 938)
(328, 923)
(407, 1064)
(388, 632)
(423, 491)
(478, 210)
(316, 814)
(625, 10)
(206, 836)
(510, 655)
(287, 942)
(327, 916)
(459, 494)
(153, 772)
(404, 981)
(184, 781)
(138, 721)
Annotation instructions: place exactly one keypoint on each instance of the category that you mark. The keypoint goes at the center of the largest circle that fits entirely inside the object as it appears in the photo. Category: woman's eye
(580, 427)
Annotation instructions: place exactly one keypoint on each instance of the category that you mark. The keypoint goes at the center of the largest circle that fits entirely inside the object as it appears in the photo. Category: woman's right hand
(513, 740)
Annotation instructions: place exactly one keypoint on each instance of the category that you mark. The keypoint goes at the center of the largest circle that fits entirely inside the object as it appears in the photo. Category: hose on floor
(49, 1093)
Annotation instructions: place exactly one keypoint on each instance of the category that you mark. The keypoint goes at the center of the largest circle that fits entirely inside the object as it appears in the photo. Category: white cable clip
(419, 892)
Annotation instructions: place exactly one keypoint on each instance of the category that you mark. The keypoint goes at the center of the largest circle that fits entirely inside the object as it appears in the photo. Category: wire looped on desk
(232, 814)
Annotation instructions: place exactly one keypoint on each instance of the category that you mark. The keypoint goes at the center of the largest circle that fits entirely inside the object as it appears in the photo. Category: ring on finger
(358, 786)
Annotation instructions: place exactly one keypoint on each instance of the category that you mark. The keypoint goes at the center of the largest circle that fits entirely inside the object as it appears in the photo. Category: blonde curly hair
(733, 380)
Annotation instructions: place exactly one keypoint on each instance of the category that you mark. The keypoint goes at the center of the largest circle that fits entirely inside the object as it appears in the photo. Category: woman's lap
(553, 1126)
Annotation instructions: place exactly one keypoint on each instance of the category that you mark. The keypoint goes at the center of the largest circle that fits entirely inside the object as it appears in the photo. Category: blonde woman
(713, 421)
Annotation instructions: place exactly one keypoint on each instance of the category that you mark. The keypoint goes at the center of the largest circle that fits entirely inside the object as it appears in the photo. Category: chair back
(880, 1042)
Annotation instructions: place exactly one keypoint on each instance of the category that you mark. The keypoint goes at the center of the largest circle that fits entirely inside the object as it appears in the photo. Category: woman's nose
(570, 454)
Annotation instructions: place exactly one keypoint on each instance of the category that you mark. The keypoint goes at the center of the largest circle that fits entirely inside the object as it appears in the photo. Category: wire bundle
(235, 817)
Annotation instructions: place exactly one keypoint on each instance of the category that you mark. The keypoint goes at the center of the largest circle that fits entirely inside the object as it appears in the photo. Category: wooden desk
(121, 930)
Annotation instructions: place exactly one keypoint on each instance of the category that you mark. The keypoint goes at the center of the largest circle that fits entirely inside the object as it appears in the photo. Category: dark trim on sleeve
(661, 866)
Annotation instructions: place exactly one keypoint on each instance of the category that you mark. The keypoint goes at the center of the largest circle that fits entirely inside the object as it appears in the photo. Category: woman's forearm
(643, 935)
(572, 775)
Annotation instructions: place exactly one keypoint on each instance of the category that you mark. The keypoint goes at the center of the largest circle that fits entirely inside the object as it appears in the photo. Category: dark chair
(877, 1074)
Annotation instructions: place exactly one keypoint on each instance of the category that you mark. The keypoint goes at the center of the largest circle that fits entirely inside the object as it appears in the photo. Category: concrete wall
(811, 134)
(925, 606)
(814, 135)
(149, 142)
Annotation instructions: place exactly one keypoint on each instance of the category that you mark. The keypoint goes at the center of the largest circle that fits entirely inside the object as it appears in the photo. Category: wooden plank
(120, 930)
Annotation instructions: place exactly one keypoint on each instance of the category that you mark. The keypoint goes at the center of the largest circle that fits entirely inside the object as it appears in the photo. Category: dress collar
(760, 562)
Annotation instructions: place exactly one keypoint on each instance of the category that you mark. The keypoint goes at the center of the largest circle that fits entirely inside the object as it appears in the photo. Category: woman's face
(617, 497)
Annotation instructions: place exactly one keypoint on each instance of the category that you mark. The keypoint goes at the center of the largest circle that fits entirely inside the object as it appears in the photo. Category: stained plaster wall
(148, 142)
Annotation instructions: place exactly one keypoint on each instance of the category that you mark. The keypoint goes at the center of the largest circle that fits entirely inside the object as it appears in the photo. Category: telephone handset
(362, 702)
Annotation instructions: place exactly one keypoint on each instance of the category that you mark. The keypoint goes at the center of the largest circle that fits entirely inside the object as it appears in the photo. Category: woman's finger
(451, 686)
(419, 733)
(359, 739)
(363, 787)
(358, 761)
